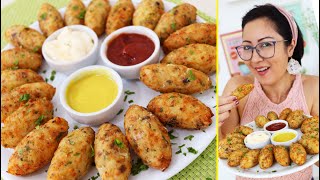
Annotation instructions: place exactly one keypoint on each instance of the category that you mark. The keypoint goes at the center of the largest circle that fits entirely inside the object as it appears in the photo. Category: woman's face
(267, 70)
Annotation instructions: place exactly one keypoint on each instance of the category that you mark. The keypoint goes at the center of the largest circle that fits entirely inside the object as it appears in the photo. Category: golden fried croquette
(236, 156)
(310, 144)
(295, 119)
(180, 111)
(245, 130)
(242, 91)
(75, 13)
(23, 120)
(120, 16)
(272, 115)
(281, 155)
(298, 154)
(285, 113)
(49, 19)
(112, 155)
(36, 149)
(197, 33)
(13, 78)
(310, 125)
(73, 158)
(175, 19)
(155, 147)
(96, 15)
(250, 159)
(201, 57)
(167, 78)
(261, 121)
(18, 58)
(266, 157)
(148, 13)
(21, 94)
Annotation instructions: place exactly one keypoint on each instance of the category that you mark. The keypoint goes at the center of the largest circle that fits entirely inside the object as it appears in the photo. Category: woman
(271, 39)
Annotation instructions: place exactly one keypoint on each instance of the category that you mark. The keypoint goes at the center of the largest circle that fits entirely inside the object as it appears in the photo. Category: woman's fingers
(223, 117)
(227, 107)
(226, 100)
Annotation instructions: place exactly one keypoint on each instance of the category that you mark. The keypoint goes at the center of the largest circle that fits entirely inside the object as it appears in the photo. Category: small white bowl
(99, 117)
(273, 122)
(131, 72)
(257, 145)
(287, 143)
(71, 66)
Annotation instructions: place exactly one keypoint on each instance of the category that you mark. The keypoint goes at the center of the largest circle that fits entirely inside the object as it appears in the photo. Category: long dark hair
(281, 26)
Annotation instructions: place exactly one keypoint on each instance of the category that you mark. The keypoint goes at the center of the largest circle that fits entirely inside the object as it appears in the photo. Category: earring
(294, 67)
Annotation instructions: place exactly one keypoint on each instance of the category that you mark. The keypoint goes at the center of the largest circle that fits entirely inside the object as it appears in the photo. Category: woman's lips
(262, 70)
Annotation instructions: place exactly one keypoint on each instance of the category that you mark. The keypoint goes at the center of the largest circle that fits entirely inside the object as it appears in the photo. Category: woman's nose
(255, 56)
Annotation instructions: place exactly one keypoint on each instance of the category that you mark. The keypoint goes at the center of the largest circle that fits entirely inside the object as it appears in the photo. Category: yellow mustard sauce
(284, 137)
(91, 92)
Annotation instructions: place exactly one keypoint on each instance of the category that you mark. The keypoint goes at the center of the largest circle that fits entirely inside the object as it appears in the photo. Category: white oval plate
(141, 97)
(275, 170)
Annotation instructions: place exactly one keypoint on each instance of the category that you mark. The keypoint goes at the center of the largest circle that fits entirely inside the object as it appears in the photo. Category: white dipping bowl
(287, 143)
(273, 122)
(131, 72)
(257, 145)
(99, 117)
(66, 66)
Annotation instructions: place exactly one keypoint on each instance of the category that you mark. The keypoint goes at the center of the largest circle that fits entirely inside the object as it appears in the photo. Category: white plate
(141, 97)
(275, 170)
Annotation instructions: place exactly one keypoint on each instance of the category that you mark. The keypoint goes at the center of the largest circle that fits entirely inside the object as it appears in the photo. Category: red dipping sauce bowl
(275, 126)
(130, 48)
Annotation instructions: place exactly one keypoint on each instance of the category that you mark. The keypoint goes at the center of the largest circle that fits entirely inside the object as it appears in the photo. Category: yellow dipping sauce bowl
(92, 95)
(92, 91)
(284, 137)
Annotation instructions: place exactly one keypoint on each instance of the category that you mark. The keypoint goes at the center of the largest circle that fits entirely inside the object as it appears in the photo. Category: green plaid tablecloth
(25, 12)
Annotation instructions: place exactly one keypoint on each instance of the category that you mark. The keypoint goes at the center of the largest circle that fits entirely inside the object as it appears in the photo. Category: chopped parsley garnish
(75, 7)
(36, 49)
(118, 143)
(171, 135)
(189, 137)
(131, 101)
(94, 177)
(191, 150)
(180, 151)
(129, 92)
(82, 13)
(75, 127)
(173, 26)
(92, 151)
(16, 62)
(53, 74)
(138, 166)
(71, 142)
(44, 71)
(39, 120)
(43, 16)
(185, 154)
(24, 97)
(191, 76)
(121, 110)
(274, 171)
(125, 98)
(46, 79)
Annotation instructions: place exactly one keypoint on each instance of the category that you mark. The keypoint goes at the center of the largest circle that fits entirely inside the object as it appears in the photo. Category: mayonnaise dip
(257, 137)
(70, 45)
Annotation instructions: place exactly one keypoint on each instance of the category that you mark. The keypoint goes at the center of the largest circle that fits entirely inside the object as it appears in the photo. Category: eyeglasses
(264, 50)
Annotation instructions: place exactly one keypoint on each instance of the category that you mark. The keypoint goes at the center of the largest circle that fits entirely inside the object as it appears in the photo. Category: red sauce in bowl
(130, 49)
(276, 126)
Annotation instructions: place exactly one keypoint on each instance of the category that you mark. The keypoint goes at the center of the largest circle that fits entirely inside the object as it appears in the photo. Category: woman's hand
(226, 103)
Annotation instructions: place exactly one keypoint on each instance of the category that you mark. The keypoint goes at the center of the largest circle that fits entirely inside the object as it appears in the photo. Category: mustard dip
(92, 91)
(284, 137)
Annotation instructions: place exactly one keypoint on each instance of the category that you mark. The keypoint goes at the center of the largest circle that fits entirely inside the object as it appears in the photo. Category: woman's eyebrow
(268, 37)
(246, 41)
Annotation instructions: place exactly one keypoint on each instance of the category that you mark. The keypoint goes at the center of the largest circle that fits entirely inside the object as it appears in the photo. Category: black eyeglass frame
(255, 48)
